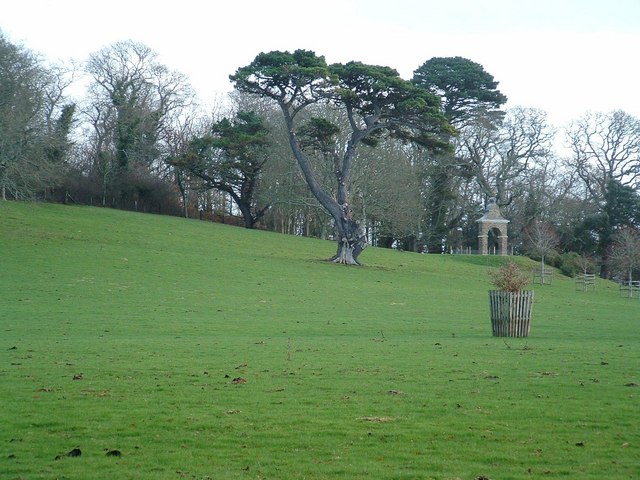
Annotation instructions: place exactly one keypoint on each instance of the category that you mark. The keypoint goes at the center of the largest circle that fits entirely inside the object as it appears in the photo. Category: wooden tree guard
(510, 313)
(584, 281)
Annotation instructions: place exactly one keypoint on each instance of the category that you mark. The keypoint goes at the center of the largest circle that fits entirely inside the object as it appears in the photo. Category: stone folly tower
(492, 220)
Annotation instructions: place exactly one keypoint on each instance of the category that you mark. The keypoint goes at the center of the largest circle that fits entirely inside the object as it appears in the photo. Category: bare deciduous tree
(34, 122)
(605, 147)
(606, 157)
(497, 157)
(133, 100)
(624, 257)
(541, 240)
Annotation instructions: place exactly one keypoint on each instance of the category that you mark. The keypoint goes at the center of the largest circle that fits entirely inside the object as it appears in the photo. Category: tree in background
(61, 118)
(230, 159)
(293, 209)
(133, 98)
(540, 241)
(179, 136)
(469, 97)
(376, 102)
(619, 208)
(391, 217)
(34, 123)
(468, 92)
(547, 189)
(498, 157)
(605, 146)
(446, 201)
(606, 157)
(624, 257)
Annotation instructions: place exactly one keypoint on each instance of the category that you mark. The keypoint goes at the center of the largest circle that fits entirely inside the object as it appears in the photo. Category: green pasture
(186, 349)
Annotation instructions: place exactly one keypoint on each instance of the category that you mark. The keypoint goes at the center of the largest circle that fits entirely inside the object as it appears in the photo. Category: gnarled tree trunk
(351, 239)
(351, 242)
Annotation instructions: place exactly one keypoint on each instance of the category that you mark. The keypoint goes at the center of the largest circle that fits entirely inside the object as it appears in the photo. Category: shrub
(569, 264)
(551, 259)
(572, 263)
(509, 277)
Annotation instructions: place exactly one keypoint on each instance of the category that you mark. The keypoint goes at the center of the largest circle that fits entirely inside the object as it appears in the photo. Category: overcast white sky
(563, 56)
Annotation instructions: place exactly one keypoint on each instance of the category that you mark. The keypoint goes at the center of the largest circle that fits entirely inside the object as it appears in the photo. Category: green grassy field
(203, 351)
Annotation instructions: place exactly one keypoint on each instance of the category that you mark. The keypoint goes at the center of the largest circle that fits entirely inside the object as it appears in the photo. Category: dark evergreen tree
(230, 159)
(466, 89)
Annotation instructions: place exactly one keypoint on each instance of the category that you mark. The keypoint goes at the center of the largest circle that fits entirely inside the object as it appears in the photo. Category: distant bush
(569, 265)
(551, 259)
(572, 264)
(137, 190)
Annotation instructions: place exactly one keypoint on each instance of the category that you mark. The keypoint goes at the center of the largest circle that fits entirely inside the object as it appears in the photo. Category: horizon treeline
(135, 138)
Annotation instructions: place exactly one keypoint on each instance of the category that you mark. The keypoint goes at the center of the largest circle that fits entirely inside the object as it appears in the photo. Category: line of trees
(350, 152)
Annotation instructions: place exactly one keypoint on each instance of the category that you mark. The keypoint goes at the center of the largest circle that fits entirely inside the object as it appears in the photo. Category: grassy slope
(383, 372)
